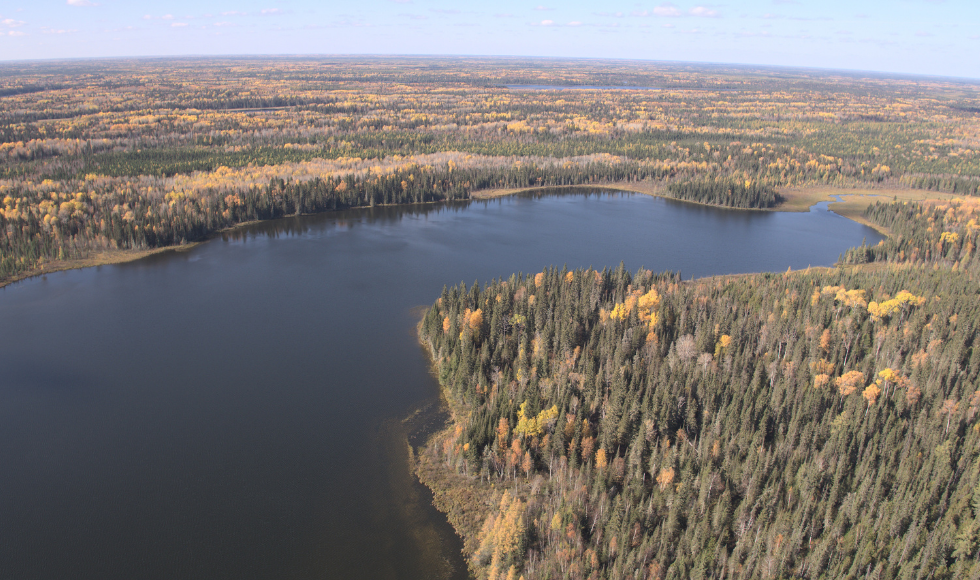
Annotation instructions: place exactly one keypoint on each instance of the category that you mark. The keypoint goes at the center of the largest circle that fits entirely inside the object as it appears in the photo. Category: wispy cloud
(10, 22)
(703, 12)
(539, 7)
(81, 3)
(272, 12)
(178, 24)
(669, 10)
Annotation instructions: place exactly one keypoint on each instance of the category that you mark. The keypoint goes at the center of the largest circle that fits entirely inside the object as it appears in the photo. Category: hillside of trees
(817, 424)
(97, 156)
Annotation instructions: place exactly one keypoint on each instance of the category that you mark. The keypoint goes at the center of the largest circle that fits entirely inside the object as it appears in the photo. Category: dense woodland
(135, 154)
(819, 424)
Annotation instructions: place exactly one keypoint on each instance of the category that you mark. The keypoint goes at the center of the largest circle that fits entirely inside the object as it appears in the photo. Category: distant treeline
(729, 192)
(34, 228)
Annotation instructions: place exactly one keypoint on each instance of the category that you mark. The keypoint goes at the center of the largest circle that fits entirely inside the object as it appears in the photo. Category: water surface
(580, 88)
(234, 411)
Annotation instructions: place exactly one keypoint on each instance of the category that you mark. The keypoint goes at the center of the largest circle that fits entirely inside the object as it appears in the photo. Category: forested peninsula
(109, 159)
(813, 424)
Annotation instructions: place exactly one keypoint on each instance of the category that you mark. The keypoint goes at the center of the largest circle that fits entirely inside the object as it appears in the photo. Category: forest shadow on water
(238, 409)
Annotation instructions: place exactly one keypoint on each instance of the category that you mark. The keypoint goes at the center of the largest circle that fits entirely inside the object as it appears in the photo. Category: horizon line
(888, 74)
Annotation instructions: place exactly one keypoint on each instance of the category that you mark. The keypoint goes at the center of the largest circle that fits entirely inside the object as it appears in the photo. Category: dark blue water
(580, 88)
(234, 411)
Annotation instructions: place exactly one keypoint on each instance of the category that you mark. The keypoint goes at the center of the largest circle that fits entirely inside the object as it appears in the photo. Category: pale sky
(933, 37)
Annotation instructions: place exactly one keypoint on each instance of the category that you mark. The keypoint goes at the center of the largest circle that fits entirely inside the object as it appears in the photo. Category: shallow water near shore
(237, 410)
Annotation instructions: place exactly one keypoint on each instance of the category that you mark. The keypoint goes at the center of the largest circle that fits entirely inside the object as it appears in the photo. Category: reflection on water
(235, 410)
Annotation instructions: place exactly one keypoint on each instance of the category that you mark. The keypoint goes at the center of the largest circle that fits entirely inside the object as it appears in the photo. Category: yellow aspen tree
(503, 431)
(600, 458)
(871, 393)
(588, 444)
(665, 478)
(476, 320)
(825, 340)
(847, 383)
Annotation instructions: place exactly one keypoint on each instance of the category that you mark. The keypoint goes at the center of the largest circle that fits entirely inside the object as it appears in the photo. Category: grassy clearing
(645, 187)
(101, 259)
(855, 201)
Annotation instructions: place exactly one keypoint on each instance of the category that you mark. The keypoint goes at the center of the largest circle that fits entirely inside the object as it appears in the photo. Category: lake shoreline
(464, 500)
(794, 202)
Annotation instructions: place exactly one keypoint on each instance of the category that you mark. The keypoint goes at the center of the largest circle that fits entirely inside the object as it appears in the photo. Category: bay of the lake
(236, 410)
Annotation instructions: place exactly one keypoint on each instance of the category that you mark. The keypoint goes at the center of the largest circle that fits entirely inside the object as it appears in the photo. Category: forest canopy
(816, 424)
(101, 156)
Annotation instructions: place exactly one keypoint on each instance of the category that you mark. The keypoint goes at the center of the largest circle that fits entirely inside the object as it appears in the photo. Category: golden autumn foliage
(822, 366)
(619, 312)
(825, 339)
(949, 238)
(600, 459)
(476, 320)
(903, 300)
(665, 477)
(721, 347)
(644, 304)
(848, 382)
(871, 393)
(503, 536)
(850, 298)
(533, 426)
(889, 375)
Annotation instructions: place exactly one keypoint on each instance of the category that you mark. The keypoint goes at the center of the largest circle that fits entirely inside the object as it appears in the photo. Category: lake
(236, 410)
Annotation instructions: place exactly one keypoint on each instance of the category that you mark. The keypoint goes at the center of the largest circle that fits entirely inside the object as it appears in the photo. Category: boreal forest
(812, 424)
(107, 160)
